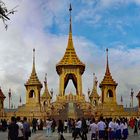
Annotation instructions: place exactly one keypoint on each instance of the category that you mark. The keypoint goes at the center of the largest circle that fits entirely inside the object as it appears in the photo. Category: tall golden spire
(70, 41)
(33, 80)
(107, 80)
(107, 64)
(70, 57)
(46, 93)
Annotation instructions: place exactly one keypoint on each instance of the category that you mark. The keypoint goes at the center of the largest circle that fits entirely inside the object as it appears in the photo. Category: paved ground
(41, 135)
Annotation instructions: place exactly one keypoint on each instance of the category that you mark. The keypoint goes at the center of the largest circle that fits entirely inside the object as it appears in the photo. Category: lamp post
(9, 94)
(138, 97)
(132, 94)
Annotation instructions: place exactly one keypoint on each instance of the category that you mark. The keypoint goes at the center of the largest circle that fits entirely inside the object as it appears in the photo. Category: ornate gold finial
(70, 9)
(88, 91)
(121, 99)
(33, 70)
(93, 76)
(107, 64)
(20, 100)
(51, 91)
(94, 79)
(45, 78)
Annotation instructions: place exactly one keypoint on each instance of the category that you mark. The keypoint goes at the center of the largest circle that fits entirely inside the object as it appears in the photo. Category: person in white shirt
(88, 122)
(65, 126)
(94, 129)
(125, 129)
(77, 130)
(111, 133)
(101, 128)
(38, 124)
(20, 130)
(118, 130)
(48, 127)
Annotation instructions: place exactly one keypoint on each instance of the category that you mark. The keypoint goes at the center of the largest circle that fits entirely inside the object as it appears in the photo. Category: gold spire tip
(70, 9)
(45, 77)
(107, 55)
(70, 29)
(33, 56)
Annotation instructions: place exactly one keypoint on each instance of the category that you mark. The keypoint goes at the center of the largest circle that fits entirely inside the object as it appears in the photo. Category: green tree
(4, 13)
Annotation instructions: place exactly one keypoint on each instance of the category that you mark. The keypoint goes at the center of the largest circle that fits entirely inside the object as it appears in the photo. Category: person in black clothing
(136, 127)
(34, 124)
(84, 129)
(61, 129)
(53, 125)
(106, 129)
(4, 125)
(72, 127)
(13, 130)
(41, 124)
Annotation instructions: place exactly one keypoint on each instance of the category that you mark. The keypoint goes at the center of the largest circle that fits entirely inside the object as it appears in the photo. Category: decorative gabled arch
(68, 77)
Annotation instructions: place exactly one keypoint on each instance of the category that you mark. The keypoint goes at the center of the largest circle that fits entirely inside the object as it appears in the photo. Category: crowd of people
(3, 125)
(102, 128)
(17, 129)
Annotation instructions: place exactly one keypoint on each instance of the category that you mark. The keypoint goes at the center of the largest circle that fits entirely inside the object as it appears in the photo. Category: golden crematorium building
(69, 105)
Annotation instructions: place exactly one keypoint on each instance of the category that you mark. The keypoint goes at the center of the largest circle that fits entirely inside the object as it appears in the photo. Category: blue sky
(117, 22)
(96, 24)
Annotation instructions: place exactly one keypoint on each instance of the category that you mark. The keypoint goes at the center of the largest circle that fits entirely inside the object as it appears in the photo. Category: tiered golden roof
(46, 94)
(70, 57)
(94, 93)
(108, 80)
(33, 80)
